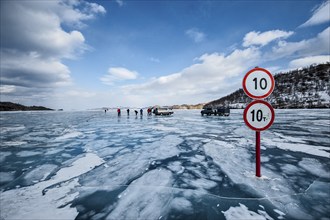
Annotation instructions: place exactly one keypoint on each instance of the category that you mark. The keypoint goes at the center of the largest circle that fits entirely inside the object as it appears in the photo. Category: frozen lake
(92, 165)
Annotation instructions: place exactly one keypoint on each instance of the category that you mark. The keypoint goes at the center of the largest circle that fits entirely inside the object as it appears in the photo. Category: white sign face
(259, 115)
(258, 83)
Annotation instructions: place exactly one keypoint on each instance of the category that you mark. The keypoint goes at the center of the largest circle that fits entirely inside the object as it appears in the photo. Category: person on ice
(136, 112)
(118, 111)
(141, 111)
(127, 111)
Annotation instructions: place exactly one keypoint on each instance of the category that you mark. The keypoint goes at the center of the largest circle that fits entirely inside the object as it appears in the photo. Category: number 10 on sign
(258, 83)
(259, 115)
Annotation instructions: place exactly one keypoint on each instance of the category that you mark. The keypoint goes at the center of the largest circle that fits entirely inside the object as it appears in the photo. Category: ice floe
(28, 153)
(14, 143)
(39, 174)
(274, 188)
(33, 202)
(69, 133)
(6, 177)
(241, 212)
(146, 198)
(314, 167)
(3, 155)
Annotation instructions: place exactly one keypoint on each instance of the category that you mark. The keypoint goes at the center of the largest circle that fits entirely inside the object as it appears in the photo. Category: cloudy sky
(86, 54)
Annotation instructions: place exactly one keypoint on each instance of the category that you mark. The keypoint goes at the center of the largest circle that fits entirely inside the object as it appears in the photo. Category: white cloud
(262, 39)
(120, 2)
(209, 78)
(320, 15)
(31, 70)
(215, 75)
(319, 45)
(96, 8)
(34, 43)
(118, 74)
(307, 61)
(40, 25)
(195, 35)
(7, 89)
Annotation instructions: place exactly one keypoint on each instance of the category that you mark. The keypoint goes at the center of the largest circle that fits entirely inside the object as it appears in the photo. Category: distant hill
(186, 106)
(9, 106)
(302, 88)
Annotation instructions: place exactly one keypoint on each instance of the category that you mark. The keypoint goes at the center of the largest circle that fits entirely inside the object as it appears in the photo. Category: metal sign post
(258, 155)
(259, 115)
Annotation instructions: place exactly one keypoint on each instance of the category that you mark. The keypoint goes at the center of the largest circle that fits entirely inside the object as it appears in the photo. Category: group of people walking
(136, 111)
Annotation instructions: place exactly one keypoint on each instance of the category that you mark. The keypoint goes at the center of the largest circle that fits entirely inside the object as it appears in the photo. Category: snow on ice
(91, 165)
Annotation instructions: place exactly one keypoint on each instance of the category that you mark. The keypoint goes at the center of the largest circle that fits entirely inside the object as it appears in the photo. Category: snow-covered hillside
(302, 88)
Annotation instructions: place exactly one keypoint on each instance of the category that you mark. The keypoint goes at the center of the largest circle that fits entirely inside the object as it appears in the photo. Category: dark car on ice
(221, 111)
(207, 111)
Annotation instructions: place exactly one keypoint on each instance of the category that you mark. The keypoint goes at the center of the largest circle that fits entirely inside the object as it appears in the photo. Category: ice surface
(30, 203)
(235, 164)
(12, 129)
(53, 151)
(182, 205)
(28, 153)
(146, 198)
(308, 149)
(13, 143)
(202, 183)
(3, 155)
(132, 163)
(314, 167)
(39, 174)
(289, 138)
(281, 214)
(176, 167)
(91, 165)
(78, 167)
(242, 212)
(6, 177)
(69, 133)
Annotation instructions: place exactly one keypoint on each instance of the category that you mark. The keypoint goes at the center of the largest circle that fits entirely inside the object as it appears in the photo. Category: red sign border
(263, 96)
(249, 106)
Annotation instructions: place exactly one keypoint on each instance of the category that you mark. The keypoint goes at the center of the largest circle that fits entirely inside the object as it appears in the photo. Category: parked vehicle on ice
(163, 111)
(207, 111)
(221, 111)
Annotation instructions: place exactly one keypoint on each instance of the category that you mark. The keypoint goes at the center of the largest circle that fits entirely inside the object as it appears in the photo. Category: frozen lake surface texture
(92, 165)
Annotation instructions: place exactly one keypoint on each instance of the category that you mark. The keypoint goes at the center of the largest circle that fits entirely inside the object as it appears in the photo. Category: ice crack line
(203, 192)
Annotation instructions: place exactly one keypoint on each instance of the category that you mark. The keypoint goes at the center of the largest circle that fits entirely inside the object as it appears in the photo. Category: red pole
(258, 172)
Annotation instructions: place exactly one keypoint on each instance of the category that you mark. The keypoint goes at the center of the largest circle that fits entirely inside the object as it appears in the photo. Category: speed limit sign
(258, 83)
(259, 115)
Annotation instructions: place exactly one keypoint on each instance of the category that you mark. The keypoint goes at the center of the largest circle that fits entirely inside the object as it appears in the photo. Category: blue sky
(88, 54)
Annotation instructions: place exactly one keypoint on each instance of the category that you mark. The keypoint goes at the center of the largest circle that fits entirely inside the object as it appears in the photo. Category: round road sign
(258, 83)
(259, 115)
